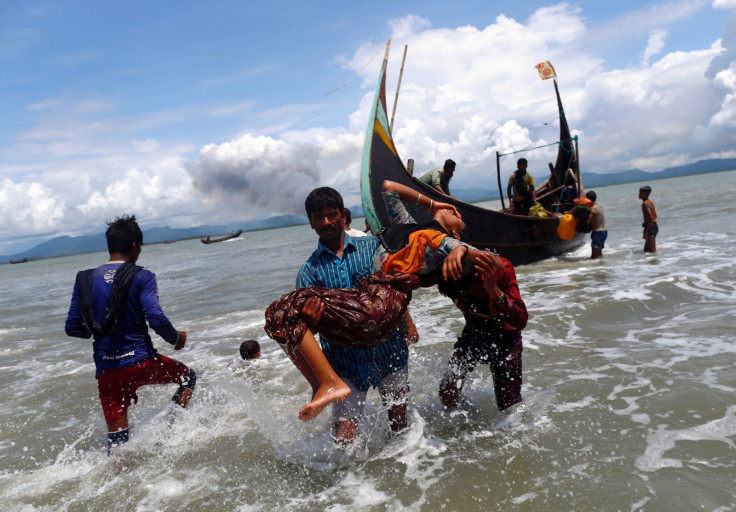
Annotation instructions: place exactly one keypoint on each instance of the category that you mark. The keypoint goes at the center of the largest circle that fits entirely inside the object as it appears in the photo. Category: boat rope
(563, 146)
(356, 74)
(559, 142)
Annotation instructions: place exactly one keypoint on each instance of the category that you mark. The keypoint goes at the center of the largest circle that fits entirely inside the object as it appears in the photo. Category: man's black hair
(454, 289)
(449, 164)
(646, 189)
(591, 195)
(122, 233)
(348, 216)
(521, 161)
(323, 198)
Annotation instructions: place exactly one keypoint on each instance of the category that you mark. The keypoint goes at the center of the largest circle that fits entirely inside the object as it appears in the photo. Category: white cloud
(724, 4)
(28, 207)
(655, 45)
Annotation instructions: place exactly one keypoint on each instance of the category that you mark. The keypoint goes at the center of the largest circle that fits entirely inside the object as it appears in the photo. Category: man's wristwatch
(501, 299)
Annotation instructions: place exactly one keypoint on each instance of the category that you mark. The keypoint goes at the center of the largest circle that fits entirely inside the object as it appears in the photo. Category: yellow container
(566, 229)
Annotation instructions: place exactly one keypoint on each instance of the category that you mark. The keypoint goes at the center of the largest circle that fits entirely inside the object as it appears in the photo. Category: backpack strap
(120, 287)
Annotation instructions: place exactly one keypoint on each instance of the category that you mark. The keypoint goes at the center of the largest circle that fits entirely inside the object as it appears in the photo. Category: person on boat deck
(439, 178)
(351, 231)
(353, 324)
(520, 189)
(650, 220)
(569, 193)
(597, 222)
(495, 314)
(112, 303)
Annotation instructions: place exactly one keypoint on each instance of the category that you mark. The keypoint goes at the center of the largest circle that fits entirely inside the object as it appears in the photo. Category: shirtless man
(650, 220)
(597, 221)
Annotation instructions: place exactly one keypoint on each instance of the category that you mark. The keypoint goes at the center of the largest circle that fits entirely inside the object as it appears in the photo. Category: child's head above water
(250, 349)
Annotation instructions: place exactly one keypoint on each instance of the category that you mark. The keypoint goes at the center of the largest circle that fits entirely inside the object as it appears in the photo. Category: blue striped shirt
(364, 367)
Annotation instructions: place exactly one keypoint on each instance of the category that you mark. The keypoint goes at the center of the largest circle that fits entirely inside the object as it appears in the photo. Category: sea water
(629, 385)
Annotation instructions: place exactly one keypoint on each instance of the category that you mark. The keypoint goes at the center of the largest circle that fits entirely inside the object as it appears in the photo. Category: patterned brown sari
(365, 317)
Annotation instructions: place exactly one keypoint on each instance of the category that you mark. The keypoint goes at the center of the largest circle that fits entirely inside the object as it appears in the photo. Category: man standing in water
(597, 221)
(650, 220)
(495, 315)
(112, 303)
(341, 261)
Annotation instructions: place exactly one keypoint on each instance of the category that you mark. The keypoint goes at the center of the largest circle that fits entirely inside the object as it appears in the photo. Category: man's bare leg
(397, 418)
(182, 399)
(345, 432)
(117, 433)
(650, 245)
(394, 392)
(452, 382)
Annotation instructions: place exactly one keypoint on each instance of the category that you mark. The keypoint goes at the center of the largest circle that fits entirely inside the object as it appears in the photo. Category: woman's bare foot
(326, 394)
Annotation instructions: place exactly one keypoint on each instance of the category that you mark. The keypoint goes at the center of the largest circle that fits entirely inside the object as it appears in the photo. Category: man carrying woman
(367, 316)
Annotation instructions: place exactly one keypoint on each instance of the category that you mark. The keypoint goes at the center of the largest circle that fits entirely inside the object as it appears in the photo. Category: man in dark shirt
(112, 303)
(494, 314)
(520, 190)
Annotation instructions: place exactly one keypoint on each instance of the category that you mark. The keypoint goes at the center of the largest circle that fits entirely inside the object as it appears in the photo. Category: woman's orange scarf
(411, 258)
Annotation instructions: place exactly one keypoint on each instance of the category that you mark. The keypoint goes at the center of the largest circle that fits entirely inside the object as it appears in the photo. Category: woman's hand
(452, 266)
(438, 205)
(405, 282)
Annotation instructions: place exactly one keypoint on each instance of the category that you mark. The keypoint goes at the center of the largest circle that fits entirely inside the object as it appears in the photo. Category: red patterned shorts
(118, 386)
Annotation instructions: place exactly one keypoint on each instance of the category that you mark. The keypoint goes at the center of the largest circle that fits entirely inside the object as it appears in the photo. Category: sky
(188, 113)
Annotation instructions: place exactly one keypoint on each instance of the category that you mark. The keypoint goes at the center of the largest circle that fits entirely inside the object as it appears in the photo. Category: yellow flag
(545, 70)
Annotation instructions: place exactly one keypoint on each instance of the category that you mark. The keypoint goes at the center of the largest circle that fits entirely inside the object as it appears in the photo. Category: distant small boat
(24, 260)
(209, 240)
(170, 242)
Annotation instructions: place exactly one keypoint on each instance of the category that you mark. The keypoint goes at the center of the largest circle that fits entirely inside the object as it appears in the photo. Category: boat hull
(221, 239)
(520, 239)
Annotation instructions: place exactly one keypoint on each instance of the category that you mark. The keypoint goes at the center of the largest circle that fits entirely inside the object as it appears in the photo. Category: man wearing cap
(439, 178)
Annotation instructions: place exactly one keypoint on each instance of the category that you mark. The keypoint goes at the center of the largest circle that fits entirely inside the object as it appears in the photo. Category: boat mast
(498, 177)
(398, 86)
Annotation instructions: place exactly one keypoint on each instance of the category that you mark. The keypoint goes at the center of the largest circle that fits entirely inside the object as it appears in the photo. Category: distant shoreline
(68, 246)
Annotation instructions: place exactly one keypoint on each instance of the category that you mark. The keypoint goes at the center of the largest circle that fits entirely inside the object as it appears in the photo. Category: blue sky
(187, 113)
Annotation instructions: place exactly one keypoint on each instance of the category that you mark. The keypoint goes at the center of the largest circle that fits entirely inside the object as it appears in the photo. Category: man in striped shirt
(341, 261)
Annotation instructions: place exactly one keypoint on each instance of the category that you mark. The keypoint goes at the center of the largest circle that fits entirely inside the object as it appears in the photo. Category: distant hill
(66, 245)
(632, 176)
(592, 179)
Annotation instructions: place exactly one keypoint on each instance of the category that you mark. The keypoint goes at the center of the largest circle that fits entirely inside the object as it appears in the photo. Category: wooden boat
(521, 239)
(24, 260)
(209, 240)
